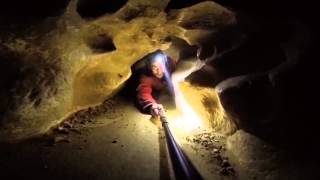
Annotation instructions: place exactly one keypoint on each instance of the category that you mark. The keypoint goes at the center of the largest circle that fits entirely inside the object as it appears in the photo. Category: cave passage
(244, 86)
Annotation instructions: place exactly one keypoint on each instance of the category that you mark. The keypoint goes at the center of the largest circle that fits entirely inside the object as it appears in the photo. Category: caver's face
(157, 70)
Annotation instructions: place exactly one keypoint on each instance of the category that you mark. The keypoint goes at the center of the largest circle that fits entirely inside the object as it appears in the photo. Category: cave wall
(59, 57)
(62, 62)
(266, 83)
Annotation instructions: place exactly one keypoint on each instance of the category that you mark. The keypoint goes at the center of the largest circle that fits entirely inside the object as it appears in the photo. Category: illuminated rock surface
(64, 63)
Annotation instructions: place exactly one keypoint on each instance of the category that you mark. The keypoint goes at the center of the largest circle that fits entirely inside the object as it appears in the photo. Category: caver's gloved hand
(155, 109)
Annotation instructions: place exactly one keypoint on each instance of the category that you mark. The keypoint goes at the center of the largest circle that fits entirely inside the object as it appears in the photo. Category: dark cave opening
(32, 8)
(95, 8)
(101, 43)
(17, 16)
(176, 4)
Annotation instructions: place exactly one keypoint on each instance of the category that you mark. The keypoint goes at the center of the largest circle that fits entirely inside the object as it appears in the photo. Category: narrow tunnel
(243, 77)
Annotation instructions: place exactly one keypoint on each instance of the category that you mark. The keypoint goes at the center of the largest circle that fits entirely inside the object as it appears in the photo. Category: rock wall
(65, 62)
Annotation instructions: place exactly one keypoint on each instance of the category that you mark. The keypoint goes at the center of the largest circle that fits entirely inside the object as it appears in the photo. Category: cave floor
(121, 144)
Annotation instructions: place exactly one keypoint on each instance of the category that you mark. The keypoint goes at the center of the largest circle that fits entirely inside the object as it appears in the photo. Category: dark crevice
(185, 50)
(177, 4)
(96, 8)
(101, 43)
(17, 16)
(32, 8)
(134, 12)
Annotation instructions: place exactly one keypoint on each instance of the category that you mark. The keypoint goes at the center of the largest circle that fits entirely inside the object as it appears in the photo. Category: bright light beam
(189, 120)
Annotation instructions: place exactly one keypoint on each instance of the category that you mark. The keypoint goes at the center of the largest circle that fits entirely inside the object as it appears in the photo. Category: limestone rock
(206, 103)
(267, 101)
(69, 61)
(248, 99)
(254, 155)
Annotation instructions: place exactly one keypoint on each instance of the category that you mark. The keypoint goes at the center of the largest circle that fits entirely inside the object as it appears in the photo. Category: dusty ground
(113, 141)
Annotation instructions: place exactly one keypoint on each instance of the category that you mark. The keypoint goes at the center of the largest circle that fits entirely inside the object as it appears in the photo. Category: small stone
(63, 130)
(114, 141)
(230, 169)
(215, 150)
(188, 139)
(224, 172)
(227, 171)
(76, 130)
(216, 156)
(67, 124)
(225, 163)
(61, 139)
